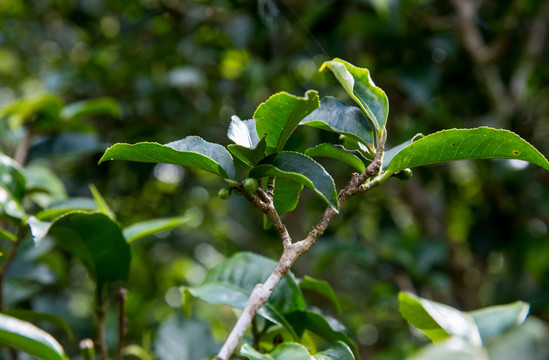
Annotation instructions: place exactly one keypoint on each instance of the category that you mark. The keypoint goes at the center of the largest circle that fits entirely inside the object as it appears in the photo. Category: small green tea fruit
(405, 174)
(250, 185)
(224, 193)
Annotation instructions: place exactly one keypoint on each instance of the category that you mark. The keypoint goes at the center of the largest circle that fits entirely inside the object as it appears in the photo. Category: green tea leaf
(333, 115)
(351, 158)
(145, 228)
(97, 241)
(493, 321)
(191, 151)
(101, 203)
(33, 316)
(59, 208)
(361, 88)
(322, 287)
(26, 337)
(12, 188)
(278, 117)
(286, 194)
(248, 147)
(5, 234)
(462, 144)
(99, 106)
(300, 168)
(338, 351)
(437, 321)
(41, 110)
(318, 324)
(43, 185)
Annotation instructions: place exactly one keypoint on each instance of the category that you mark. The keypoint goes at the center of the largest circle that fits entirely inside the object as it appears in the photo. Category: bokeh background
(469, 234)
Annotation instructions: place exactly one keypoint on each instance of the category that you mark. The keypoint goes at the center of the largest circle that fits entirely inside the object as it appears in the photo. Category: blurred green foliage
(468, 234)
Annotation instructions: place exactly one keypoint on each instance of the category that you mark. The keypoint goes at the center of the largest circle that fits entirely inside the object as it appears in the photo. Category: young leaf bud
(224, 193)
(250, 185)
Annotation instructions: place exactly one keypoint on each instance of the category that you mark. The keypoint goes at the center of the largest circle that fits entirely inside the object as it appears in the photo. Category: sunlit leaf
(12, 188)
(247, 147)
(333, 115)
(33, 316)
(300, 168)
(361, 88)
(26, 337)
(462, 144)
(493, 321)
(191, 151)
(437, 321)
(59, 208)
(278, 117)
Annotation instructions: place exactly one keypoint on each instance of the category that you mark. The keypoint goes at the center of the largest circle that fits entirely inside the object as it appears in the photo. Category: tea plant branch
(122, 322)
(101, 336)
(291, 251)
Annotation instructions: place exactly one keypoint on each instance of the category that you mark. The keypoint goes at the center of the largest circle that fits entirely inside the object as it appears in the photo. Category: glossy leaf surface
(278, 117)
(463, 144)
(12, 187)
(59, 208)
(300, 168)
(293, 351)
(361, 88)
(26, 337)
(191, 151)
(333, 115)
(32, 316)
(247, 147)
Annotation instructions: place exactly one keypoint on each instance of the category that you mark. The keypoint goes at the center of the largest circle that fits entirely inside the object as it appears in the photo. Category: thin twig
(122, 322)
(101, 336)
(8, 260)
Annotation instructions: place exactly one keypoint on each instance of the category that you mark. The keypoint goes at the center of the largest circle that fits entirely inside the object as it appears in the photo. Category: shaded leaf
(97, 241)
(322, 287)
(318, 324)
(462, 144)
(351, 158)
(333, 115)
(43, 185)
(26, 337)
(24, 111)
(338, 351)
(65, 145)
(191, 151)
(286, 194)
(278, 117)
(245, 270)
(300, 168)
(145, 228)
(99, 106)
(361, 88)
(237, 297)
(5, 234)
